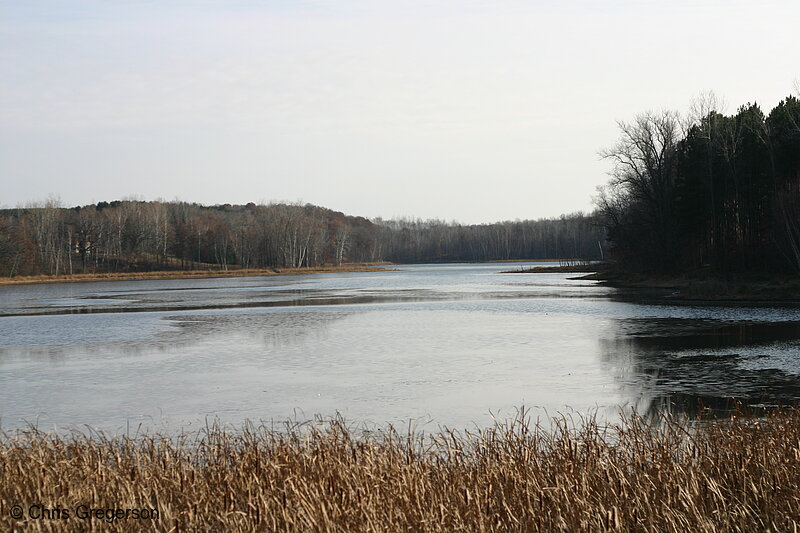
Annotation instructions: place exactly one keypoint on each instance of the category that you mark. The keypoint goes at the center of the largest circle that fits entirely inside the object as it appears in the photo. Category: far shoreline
(696, 288)
(702, 288)
(159, 275)
(571, 268)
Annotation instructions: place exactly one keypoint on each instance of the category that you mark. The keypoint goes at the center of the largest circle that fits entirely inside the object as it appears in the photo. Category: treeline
(125, 236)
(714, 191)
(575, 236)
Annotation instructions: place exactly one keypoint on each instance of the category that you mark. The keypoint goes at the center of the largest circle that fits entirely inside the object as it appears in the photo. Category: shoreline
(569, 269)
(206, 274)
(699, 289)
(157, 275)
(486, 261)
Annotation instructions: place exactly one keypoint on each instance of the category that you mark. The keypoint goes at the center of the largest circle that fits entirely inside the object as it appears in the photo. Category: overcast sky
(463, 110)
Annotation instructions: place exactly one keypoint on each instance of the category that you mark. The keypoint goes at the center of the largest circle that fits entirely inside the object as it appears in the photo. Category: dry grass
(736, 475)
(192, 274)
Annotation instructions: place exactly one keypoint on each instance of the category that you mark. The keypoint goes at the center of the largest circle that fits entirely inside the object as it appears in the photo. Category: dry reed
(740, 474)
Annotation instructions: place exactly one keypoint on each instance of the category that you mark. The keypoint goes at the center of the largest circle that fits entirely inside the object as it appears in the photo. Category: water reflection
(189, 331)
(701, 366)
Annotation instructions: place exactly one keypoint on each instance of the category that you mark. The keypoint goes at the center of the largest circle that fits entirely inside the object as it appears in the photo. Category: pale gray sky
(469, 110)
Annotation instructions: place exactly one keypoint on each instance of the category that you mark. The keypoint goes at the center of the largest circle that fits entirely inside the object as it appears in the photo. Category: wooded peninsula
(709, 192)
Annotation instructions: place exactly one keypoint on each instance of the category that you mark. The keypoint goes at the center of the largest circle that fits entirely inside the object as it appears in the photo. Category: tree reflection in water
(699, 367)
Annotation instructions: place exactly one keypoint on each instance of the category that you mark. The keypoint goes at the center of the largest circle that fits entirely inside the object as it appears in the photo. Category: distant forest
(125, 236)
(714, 192)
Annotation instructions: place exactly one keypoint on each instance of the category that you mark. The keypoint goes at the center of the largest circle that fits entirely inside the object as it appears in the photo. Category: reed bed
(740, 474)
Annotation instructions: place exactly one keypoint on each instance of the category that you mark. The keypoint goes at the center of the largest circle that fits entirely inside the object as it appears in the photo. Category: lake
(428, 345)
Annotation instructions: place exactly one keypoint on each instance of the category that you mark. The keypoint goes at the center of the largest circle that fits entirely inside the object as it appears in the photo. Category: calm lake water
(431, 344)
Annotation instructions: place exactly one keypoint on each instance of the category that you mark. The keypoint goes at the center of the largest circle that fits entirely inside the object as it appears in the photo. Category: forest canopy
(713, 191)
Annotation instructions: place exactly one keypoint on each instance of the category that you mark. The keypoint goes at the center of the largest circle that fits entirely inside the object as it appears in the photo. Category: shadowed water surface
(438, 344)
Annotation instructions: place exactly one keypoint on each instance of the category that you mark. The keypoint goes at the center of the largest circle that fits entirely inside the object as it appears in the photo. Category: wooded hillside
(125, 236)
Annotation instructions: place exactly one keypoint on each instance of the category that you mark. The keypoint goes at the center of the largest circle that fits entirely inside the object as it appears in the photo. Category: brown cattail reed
(740, 474)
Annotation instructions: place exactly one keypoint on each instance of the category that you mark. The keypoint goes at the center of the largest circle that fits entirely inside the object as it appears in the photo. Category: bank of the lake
(568, 267)
(705, 287)
(196, 274)
(695, 287)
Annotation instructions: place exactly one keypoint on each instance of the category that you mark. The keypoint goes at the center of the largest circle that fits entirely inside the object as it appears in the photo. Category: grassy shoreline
(740, 474)
(194, 274)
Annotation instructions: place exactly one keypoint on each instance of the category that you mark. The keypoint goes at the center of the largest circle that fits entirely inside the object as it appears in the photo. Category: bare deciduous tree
(644, 172)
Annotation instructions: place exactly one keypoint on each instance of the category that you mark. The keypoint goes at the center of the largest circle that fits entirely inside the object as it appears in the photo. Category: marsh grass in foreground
(740, 474)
